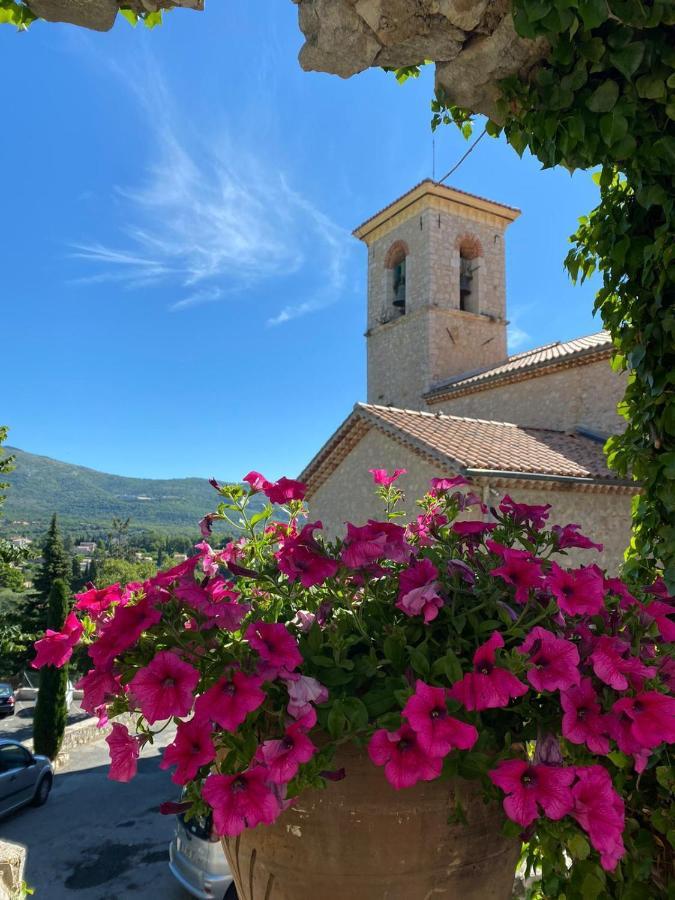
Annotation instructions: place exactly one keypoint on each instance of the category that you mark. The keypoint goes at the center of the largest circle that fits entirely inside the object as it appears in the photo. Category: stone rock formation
(99, 15)
(472, 42)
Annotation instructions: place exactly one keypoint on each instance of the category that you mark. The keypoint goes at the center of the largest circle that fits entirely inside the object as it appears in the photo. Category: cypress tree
(92, 571)
(76, 575)
(54, 561)
(51, 714)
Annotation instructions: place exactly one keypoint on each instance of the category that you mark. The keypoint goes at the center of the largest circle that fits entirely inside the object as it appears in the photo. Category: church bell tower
(436, 291)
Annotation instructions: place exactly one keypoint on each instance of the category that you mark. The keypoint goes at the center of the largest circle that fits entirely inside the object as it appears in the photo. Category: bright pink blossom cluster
(271, 650)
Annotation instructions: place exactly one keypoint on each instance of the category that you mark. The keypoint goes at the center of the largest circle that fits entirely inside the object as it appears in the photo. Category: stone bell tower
(436, 291)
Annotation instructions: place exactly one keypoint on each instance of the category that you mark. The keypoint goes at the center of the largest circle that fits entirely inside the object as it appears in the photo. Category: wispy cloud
(214, 219)
(517, 336)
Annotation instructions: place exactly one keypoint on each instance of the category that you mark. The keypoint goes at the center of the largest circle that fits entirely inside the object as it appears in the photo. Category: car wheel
(42, 791)
(231, 893)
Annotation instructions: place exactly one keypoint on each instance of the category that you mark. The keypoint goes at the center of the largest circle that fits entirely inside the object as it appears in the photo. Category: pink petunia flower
(663, 613)
(579, 592)
(583, 722)
(95, 601)
(570, 536)
(285, 490)
(284, 757)
(241, 801)
(230, 700)
(191, 749)
(303, 691)
(518, 569)
(122, 631)
(274, 644)
(165, 687)
(98, 686)
(405, 762)
(437, 732)
(375, 541)
(382, 477)
(301, 558)
(256, 481)
(425, 528)
(418, 590)
(525, 513)
(531, 788)
(614, 665)
(488, 686)
(124, 751)
(553, 661)
(56, 647)
(473, 528)
(616, 586)
(443, 485)
(216, 600)
(599, 810)
(652, 718)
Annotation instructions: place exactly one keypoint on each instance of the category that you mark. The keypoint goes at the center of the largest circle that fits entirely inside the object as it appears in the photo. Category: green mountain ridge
(84, 498)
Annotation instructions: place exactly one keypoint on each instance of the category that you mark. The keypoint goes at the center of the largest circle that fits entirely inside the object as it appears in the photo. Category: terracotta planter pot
(360, 839)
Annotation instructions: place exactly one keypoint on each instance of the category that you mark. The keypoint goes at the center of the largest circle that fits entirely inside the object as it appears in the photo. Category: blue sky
(180, 292)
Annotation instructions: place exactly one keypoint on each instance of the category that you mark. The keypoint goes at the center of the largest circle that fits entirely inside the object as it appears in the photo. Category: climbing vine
(605, 97)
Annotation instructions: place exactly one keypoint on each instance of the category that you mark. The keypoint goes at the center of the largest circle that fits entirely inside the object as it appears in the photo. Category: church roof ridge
(526, 364)
(440, 415)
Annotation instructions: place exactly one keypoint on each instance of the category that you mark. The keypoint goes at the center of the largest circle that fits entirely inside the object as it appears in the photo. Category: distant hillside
(84, 498)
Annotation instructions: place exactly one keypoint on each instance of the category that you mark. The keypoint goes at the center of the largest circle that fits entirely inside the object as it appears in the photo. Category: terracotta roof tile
(473, 446)
(526, 364)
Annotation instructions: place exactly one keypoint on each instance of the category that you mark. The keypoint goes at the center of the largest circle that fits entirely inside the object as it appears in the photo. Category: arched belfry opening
(395, 264)
(470, 257)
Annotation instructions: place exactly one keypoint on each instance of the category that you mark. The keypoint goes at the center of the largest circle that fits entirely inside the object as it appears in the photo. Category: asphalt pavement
(96, 839)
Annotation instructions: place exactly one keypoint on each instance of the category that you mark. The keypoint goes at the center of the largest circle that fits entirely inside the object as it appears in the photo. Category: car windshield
(5, 688)
(198, 826)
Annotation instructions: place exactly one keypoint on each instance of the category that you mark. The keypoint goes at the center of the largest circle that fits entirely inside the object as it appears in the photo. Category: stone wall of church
(348, 496)
(581, 395)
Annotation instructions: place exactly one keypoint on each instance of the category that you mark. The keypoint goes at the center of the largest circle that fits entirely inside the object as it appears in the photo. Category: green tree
(76, 577)
(11, 577)
(51, 713)
(54, 561)
(92, 571)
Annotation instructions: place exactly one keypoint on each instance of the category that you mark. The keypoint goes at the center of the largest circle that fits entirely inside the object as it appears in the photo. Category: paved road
(20, 725)
(96, 839)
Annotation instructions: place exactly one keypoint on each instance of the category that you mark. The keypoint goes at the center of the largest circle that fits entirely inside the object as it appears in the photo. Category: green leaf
(578, 847)
(593, 12)
(591, 887)
(419, 661)
(613, 127)
(449, 666)
(627, 60)
(130, 16)
(356, 712)
(651, 87)
(336, 720)
(153, 19)
(604, 97)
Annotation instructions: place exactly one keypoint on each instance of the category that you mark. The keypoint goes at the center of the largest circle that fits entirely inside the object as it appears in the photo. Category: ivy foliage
(605, 97)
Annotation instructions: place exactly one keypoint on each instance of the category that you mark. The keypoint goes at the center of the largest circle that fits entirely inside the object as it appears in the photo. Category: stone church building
(444, 396)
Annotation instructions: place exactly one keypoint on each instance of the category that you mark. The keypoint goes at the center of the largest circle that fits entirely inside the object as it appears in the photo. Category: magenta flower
(241, 801)
(418, 590)
(124, 751)
(230, 700)
(614, 665)
(376, 540)
(570, 536)
(256, 481)
(165, 687)
(530, 789)
(652, 718)
(524, 513)
(56, 647)
(124, 629)
(554, 661)
(303, 691)
(215, 600)
(300, 558)
(191, 749)
(443, 485)
(662, 613)
(600, 812)
(488, 686)
(274, 644)
(579, 592)
(583, 722)
(284, 490)
(98, 686)
(519, 569)
(437, 732)
(284, 757)
(616, 586)
(95, 601)
(473, 528)
(405, 762)
(381, 476)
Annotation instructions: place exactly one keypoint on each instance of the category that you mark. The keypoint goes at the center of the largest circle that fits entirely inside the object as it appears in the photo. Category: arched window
(470, 251)
(395, 264)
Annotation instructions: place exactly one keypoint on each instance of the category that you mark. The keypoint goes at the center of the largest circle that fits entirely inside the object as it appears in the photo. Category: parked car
(24, 777)
(7, 700)
(197, 860)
